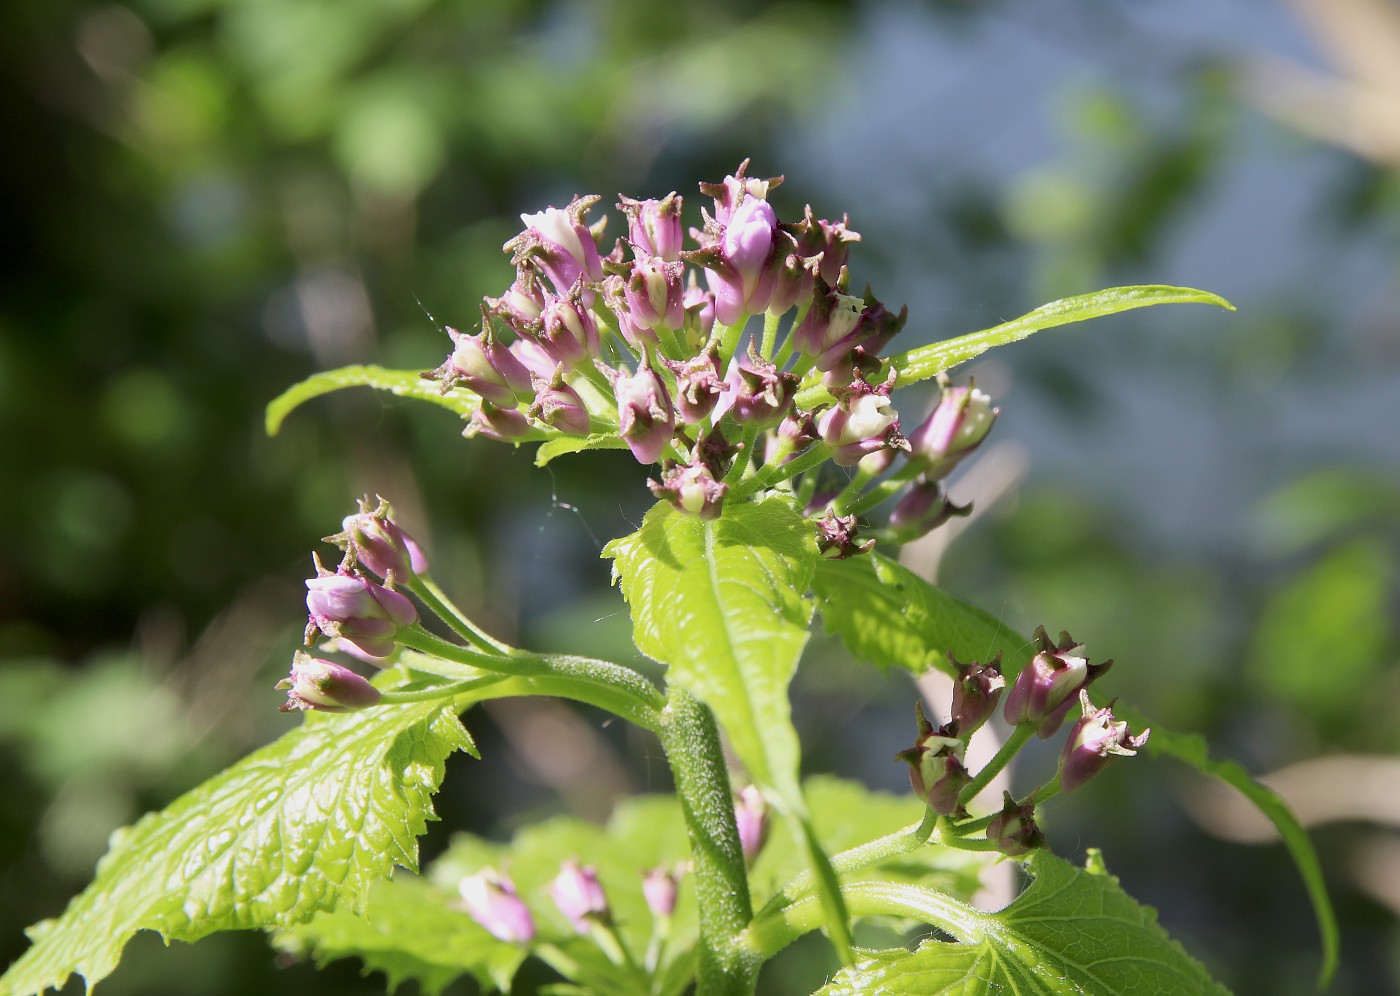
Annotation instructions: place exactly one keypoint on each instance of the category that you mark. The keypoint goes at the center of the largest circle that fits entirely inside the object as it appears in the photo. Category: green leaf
(926, 361)
(564, 445)
(1191, 748)
(305, 824)
(723, 604)
(1072, 931)
(404, 383)
(888, 615)
(410, 930)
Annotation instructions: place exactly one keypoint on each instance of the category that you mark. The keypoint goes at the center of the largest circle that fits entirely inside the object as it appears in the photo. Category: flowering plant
(742, 367)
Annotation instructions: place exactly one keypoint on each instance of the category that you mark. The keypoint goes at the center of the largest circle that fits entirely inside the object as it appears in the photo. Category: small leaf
(404, 383)
(888, 615)
(305, 824)
(1072, 931)
(564, 445)
(1191, 749)
(723, 604)
(926, 361)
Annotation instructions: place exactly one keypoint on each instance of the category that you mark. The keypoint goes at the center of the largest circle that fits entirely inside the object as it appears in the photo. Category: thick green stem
(774, 473)
(692, 745)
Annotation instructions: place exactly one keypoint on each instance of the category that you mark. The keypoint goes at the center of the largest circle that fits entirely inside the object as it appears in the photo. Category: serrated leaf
(564, 445)
(1072, 931)
(1191, 749)
(723, 604)
(305, 824)
(410, 930)
(888, 615)
(404, 383)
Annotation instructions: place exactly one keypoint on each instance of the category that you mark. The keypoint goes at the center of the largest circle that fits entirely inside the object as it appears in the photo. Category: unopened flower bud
(654, 293)
(1095, 739)
(751, 817)
(379, 544)
(922, 509)
(698, 384)
(836, 536)
(486, 365)
(976, 690)
(829, 239)
(936, 771)
(955, 428)
(699, 312)
(659, 888)
(1013, 830)
(759, 393)
(325, 686)
(567, 331)
(505, 425)
(1046, 687)
(691, 488)
(654, 227)
(645, 419)
(560, 245)
(831, 327)
(559, 406)
(863, 423)
(491, 900)
(348, 606)
(523, 302)
(579, 896)
(793, 435)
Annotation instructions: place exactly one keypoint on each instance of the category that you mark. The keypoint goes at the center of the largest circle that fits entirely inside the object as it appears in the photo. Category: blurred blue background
(210, 199)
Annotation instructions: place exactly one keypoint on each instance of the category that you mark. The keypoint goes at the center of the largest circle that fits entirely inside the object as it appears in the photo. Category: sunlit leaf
(305, 824)
(404, 383)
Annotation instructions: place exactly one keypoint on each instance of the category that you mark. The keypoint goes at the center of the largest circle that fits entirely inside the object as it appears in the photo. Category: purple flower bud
(523, 302)
(793, 278)
(759, 393)
(956, 427)
(691, 488)
(1014, 830)
(567, 331)
(793, 435)
(735, 189)
(1094, 741)
(654, 227)
(751, 817)
(831, 328)
(836, 536)
(741, 266)
(827, 238)
(486, 365)
(923, 508)
(645, 419)
(535, 358)
(698, 384)
(505, 425)
(936, 771)
(863, 423)
(559, 244)
(491, 901)
(348, 606)
(975, 692)
(559, 406)
(579, 896)
(659, 888)
(325, 686)
(1045, 688)
(654, 293)
(378, 542)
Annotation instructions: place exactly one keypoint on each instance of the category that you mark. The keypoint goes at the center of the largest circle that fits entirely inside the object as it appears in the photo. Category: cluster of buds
(357, 608)
(490, 898)
(647, 342)
(1039, 699)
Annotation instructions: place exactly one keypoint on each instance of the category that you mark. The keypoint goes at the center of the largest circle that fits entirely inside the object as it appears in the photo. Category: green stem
(883, 491)
(776, 473)
(902, 841)
(728, 336)
(432, 596)
(691, 740)
(451, 690)
(1007, 751)
(744, 456)
(609, 686)
(770, 334)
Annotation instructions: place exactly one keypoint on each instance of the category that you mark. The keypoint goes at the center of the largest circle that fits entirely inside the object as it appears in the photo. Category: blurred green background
(210, 199)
